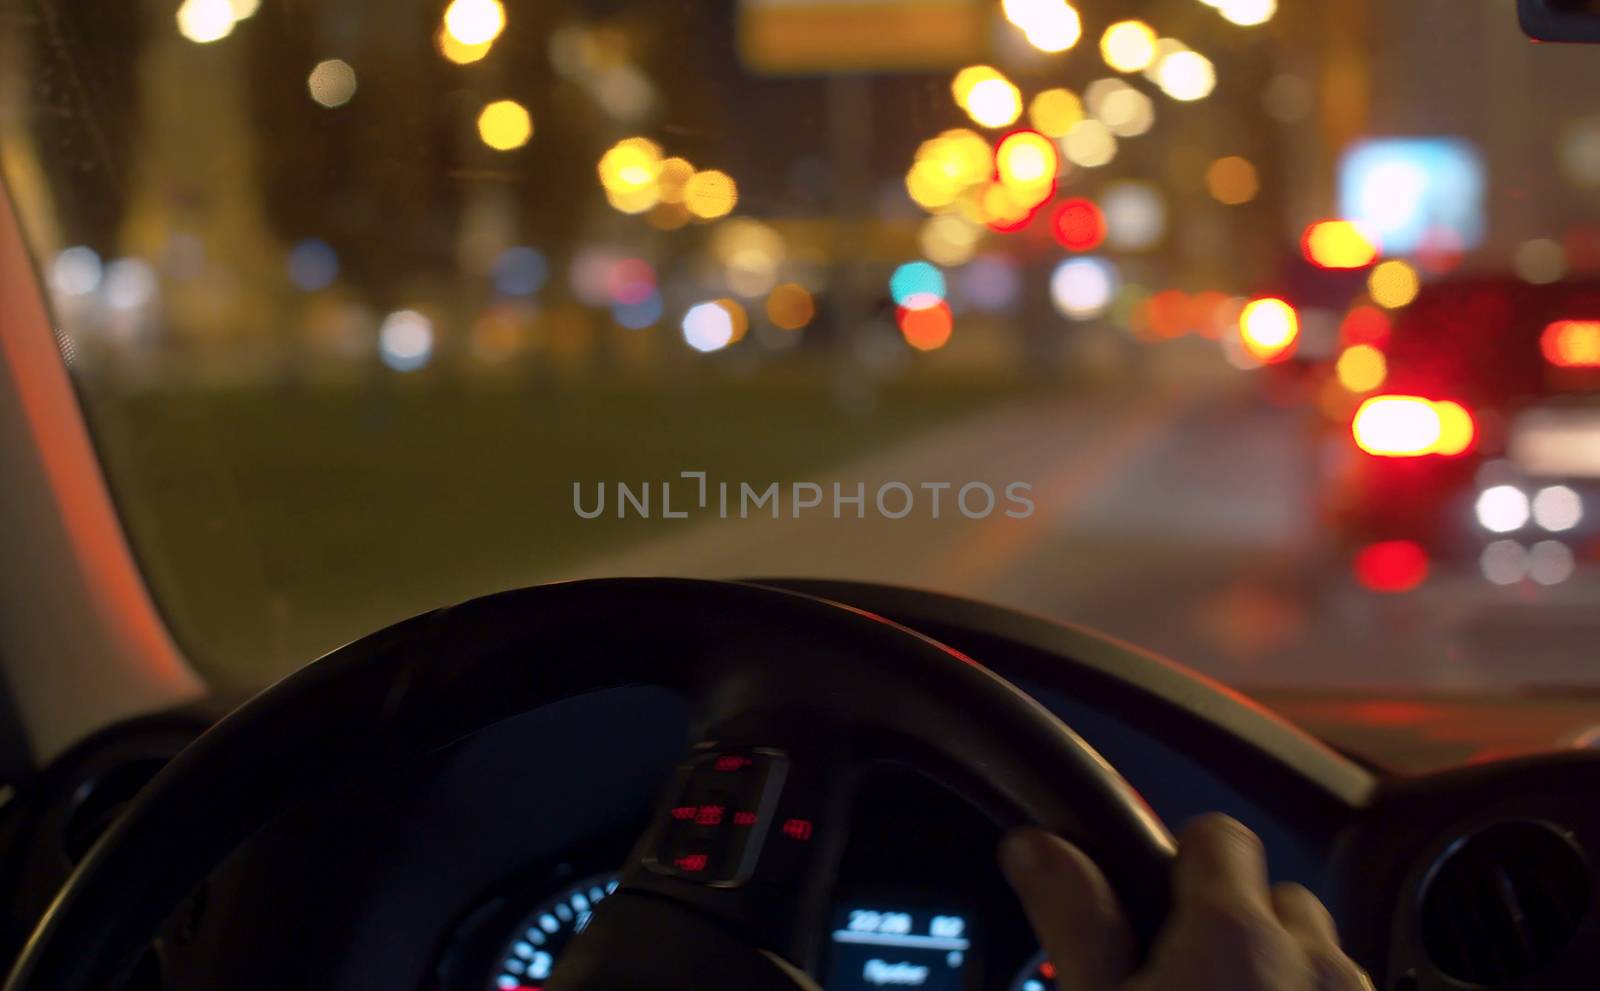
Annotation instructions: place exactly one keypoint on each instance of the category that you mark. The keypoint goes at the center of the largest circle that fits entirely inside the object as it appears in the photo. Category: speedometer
(1038, 975)
(536, 943)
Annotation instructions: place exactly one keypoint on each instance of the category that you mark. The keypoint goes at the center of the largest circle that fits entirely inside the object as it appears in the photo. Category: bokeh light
(1136, 215)
(1396, 426)
(1364, 324)
(1078, 224)
(1571, 343)
(1540, 261)
(1049, 25)
(994, 103)
(520, 271)
(927, 328)
(916, 279)
(457, 51)
(474, 22)
(76, 271)
(405, 340)
(638, 314)
(1457, 430)
(205, 21)
(1232, 180)
(1186, 76)
(1026, 159)
(1128, 46)
(738, 318)
(790, 306)
(332, 82)
(948, 239)
(129, 284)
(1338, 244)
(1052, 112)
(710, 194)
(707, 327)
(1089, 144)
(1248, 13)
(1361, 368)
(505, 125)
(629, 172)
(1127, 113)
(312, 265)
(1081, 288)
(1269, 328)
(672, 179)
(1391, 565)
(1393, 284)
(1557, 508)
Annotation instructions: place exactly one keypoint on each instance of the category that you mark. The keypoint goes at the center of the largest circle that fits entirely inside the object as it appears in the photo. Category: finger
(1220, 860)
(1072, 908)
(1304, 915)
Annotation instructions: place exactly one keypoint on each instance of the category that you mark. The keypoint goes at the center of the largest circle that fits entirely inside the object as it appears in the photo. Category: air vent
(1504, 903)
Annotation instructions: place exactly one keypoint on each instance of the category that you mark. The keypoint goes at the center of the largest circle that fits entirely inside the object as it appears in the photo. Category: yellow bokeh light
(1049, 25)
(674, 176)
(1232, 180)
(790, 307)
(1268, 328)
(1247, 13)
(1054, 111)
(710, 194)
(474, 22)
(1027, 159)
(1393, 284)
(504, 125)
(1361, 368)
(948, 240)
(1186, 76)
(946, 166)
(994, 103)
(630, 165)
(1338, 244)
(205, 21)
(1456, 429)
(1128, 46)
(967, 80)
(634, 200)
(457, 51)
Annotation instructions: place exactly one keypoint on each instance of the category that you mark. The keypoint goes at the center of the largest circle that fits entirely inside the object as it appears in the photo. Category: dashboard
(919, 904)
(473, 867)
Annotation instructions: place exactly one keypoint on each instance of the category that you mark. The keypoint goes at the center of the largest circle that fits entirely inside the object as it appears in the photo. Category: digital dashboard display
(875, 947)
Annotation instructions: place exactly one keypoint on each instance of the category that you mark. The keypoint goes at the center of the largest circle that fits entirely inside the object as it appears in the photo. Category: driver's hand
(1227, 931)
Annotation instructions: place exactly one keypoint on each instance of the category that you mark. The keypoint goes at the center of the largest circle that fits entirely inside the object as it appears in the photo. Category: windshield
(1253, 333)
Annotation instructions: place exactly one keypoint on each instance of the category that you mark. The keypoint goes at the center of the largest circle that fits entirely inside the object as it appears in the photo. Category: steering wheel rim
(428, 681)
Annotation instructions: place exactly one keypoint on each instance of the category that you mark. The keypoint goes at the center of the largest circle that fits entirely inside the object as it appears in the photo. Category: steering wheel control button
(721, 810)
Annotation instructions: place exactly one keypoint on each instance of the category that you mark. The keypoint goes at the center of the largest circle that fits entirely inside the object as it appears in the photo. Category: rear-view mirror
(1561, 20)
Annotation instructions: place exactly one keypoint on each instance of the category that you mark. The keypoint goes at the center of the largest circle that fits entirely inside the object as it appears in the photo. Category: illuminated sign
(1414, 193)
(809, 37)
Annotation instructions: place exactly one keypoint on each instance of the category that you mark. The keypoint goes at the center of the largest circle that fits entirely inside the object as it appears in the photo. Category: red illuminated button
(797, 829)
(744, 818)
(692, 863)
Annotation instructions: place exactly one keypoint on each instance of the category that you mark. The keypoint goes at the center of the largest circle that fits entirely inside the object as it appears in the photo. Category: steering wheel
(792, 695)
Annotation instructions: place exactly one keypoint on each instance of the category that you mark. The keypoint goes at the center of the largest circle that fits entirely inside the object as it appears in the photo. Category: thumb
(1072, 908)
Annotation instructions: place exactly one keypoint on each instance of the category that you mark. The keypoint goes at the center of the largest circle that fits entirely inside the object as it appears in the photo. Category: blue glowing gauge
(536, 945)
(1038, 975)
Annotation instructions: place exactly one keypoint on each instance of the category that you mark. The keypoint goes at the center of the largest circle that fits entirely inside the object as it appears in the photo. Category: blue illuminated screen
(877, 947)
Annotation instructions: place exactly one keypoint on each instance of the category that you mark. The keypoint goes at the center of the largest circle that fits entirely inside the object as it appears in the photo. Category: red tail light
(1391, 566)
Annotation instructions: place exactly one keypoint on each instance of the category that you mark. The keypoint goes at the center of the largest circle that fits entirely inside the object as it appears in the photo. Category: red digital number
(798, 829)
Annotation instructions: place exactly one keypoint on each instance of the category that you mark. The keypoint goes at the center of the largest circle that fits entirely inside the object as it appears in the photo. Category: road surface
(1179, 518)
